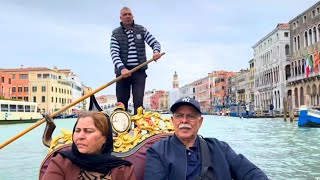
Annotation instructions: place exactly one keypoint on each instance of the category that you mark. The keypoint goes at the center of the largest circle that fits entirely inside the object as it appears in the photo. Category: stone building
(303, 87)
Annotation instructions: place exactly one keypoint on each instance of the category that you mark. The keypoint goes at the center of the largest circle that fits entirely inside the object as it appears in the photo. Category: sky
(198, 36)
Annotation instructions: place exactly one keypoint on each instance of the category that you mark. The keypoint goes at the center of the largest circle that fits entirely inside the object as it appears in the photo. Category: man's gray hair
(124, 8)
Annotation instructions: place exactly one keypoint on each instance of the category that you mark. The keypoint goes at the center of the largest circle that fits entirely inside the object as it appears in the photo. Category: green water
(280, 149)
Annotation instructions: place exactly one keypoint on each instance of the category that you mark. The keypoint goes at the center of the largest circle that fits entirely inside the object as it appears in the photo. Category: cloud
(197, 36)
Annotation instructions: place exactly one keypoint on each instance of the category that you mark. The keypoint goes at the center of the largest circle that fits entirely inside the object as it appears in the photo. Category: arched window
(294, 44)
(306, 39)
(287, 49)
(318, 31)
(303, 70)
(299, 67)
(298, 42)
(315, 34)
(310, 36)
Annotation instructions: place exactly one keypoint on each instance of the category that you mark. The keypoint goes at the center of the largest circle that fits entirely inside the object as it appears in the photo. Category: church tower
(175, 82)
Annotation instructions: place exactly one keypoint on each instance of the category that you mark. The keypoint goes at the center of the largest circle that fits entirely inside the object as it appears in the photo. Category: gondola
(132, 135)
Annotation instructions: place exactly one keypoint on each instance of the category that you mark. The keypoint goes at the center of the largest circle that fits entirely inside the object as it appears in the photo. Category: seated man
(185, 155)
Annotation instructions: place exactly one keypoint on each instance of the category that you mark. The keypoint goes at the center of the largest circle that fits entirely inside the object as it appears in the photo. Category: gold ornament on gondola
(127, 135)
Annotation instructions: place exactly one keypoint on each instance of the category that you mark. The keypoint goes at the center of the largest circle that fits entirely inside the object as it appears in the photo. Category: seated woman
(90, 156)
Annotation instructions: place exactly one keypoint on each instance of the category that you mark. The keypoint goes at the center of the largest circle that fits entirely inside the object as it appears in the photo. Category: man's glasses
(189, 117)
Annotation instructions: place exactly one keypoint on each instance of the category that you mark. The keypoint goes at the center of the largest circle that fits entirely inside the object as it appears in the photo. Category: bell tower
(175, 81)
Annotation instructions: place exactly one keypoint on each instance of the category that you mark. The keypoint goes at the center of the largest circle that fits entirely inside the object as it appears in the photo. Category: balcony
(296, 78)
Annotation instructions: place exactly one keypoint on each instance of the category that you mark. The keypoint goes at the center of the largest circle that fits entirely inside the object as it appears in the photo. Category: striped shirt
(132, 53)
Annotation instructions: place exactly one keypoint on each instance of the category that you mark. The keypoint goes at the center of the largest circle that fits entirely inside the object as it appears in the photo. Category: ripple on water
(281, 149)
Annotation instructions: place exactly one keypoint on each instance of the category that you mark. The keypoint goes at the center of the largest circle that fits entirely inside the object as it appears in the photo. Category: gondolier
(128, 51)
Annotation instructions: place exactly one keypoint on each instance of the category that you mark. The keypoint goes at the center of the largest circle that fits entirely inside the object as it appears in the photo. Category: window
(19, 89)
(43, 99)
(26, 98)
(313, 13)
(46, 76)
(19, 97)
(4, 108)
(26, 89)
(13, 89)
(43, 89)
(27, 108)
(39, 76)
(23, 76)
(34, 99)
(20, 108)
(305, 39)
(304, 19)
(298, 42)
(9, 80)
(13, 76)
(286, 34)
(2, 79)
(52, 89)
(34, 89)
(13, 108)
(52, 99)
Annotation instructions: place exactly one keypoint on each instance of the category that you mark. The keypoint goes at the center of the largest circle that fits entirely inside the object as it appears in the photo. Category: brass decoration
(65, 138)
(146, 124)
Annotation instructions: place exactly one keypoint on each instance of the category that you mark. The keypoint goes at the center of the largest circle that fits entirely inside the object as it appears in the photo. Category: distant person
(186, 155)
(247, 110)
(90, 156)
(271, 109)
(128, 51)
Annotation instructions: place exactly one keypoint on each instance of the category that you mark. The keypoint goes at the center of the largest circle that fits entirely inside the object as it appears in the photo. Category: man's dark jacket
(167, 159)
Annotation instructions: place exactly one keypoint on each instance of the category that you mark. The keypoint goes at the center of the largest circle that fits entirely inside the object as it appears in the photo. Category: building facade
(242, 86)
(303, 87)
(5, 85)
(271, 56)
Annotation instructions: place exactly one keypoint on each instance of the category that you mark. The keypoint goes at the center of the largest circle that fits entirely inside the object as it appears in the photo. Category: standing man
(271, 109)
(128, 51)
(186, 155)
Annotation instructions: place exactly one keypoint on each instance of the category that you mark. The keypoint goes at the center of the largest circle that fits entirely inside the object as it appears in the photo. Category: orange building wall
(20, 85)
(5, 85)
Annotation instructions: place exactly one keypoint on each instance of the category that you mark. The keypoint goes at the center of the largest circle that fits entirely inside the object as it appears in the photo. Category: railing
(296, 78)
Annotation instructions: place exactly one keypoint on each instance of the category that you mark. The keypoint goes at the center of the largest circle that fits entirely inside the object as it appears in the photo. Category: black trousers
(136, 82)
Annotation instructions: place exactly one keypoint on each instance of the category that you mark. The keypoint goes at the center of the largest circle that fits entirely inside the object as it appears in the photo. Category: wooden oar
(72, 104)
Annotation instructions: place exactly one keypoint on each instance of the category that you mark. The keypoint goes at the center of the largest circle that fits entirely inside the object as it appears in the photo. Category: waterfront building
(231, 89)
(5, 85)
(242, 86)
(188, 90)
(155, 100)
(146, 99)
(50, 89)
(202, 93)
(271, 56)
(251, 81)
(19, 83)
(76, 91)
(303, 87)
(164, 102)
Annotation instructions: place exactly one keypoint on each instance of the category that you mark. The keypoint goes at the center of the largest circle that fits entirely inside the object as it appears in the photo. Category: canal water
(281, 149)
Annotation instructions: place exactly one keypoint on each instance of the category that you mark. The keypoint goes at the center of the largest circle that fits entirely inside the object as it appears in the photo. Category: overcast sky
(197, 36)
